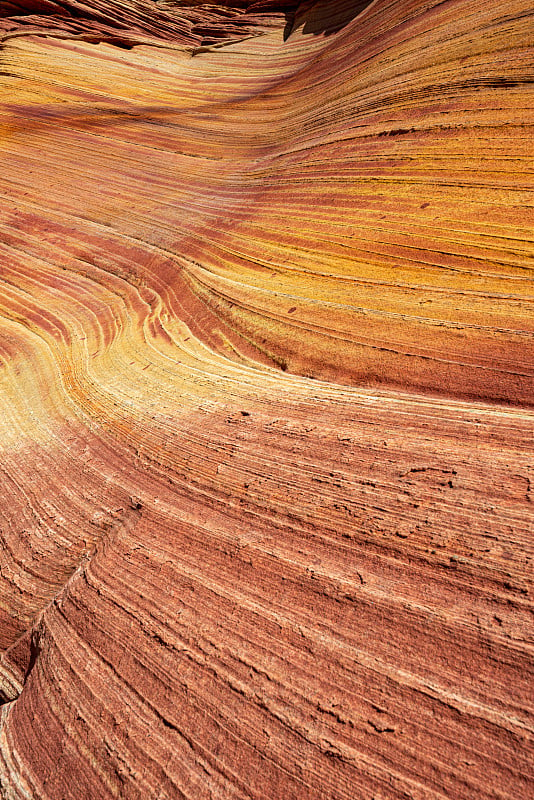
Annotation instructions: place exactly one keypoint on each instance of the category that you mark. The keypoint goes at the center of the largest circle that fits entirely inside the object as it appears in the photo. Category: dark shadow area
(323, 16)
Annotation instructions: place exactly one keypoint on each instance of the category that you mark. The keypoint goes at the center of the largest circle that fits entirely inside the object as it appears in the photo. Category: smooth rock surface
(266, 400)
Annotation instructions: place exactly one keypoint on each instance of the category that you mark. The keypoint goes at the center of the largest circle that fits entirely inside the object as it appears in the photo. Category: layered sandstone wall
(266, 362)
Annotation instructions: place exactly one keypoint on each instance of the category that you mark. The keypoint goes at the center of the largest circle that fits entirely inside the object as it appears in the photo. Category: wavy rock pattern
(266, 400)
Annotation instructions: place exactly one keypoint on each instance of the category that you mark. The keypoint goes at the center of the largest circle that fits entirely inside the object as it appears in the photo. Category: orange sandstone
(266, 388)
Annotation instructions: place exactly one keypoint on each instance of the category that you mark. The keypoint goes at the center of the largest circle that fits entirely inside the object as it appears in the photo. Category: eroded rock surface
(266, 389)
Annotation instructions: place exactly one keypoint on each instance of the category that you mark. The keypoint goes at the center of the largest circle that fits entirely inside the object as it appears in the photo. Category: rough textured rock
(266, 424)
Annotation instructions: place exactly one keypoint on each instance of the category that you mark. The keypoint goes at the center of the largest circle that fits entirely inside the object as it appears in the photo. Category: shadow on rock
(323, 16)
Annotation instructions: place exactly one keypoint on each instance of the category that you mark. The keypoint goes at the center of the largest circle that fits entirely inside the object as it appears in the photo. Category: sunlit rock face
(266, 428)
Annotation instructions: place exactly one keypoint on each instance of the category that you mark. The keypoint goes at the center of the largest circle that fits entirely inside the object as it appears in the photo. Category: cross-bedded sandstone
(266, 400)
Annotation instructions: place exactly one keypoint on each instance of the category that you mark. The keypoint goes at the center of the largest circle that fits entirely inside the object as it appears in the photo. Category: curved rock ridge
(386, 214)
(144, 21)
(266, 425)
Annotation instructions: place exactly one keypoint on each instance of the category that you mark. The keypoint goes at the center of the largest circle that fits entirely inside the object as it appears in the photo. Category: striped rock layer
(266, 400)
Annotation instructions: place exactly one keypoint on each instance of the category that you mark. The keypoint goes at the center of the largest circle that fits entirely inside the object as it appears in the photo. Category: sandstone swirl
(266, 388)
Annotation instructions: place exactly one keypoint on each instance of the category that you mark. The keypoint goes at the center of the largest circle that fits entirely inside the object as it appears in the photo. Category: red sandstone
(266, 389)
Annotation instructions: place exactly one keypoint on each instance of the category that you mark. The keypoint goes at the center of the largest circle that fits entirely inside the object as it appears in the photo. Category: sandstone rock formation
(266, 389)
